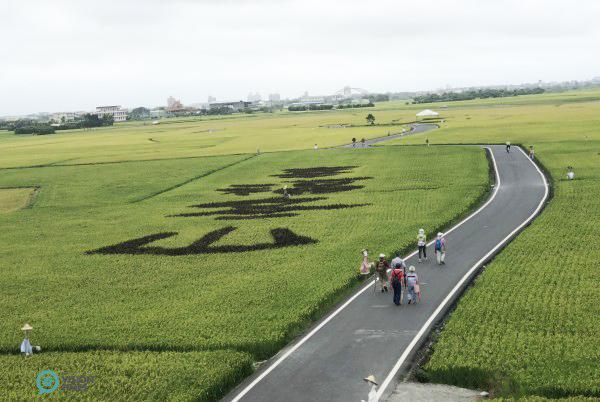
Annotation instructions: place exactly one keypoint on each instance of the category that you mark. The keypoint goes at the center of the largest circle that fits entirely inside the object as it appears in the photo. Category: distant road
(368, 334)
(417, 128)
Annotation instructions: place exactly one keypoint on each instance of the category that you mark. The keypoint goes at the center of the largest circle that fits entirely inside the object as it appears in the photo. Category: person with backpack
(381, 269)
(440, 248)
(412, 284)
(396, 282)
(422, 243)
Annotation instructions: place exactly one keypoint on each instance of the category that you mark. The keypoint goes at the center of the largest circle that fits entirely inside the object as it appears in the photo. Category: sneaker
(382, 290)
(419, 260)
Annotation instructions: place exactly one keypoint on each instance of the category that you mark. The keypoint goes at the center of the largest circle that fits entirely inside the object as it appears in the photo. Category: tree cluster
(476, 94)
(301, 108)
(353, 105)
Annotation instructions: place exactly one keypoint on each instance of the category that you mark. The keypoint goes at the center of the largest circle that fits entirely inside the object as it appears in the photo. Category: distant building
(173, 104)
(211, 99)
(235, 106)
(63, 117)
(118, 113)
(274, 97)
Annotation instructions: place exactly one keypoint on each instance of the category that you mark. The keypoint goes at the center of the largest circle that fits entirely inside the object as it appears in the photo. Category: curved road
(368, 334)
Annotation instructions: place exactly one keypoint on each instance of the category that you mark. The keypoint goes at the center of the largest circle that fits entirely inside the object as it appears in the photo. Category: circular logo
(47, 381)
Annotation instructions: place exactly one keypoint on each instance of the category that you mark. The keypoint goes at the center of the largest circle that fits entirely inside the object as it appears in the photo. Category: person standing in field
(316, 147)
(531, 152)
(363, 142)
(507, 147)
(353, 142)
(365, 267)
(381, 269)
(412, 283)
(422, 243)
(397, 279)
(440, 248)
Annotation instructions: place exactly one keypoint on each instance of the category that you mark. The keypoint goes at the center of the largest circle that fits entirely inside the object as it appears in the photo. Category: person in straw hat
(26, 348)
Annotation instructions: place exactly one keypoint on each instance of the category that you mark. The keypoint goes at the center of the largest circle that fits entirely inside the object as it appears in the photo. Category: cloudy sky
(65, 55)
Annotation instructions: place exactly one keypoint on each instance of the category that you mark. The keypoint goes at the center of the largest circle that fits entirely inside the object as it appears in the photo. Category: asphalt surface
(416, 129)
(368, 334)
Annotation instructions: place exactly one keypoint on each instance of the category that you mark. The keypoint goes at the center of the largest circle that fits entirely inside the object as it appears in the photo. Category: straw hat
(412, 268)
(381, 255)
(371, 379)
(26, 327)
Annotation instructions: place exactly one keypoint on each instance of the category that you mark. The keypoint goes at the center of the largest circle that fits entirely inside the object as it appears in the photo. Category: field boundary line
(468, 274)
(293, 348)
(173, 187)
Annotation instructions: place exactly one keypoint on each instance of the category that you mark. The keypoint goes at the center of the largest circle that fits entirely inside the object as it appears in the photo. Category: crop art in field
(306, 181)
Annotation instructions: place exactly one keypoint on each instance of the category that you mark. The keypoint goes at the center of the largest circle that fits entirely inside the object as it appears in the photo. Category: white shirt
(398, 260)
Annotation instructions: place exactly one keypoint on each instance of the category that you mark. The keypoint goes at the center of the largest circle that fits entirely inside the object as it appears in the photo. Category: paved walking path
(368, 334)
(417, 128)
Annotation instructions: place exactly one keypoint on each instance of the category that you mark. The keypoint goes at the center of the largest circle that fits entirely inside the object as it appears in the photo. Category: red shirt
(399, 273)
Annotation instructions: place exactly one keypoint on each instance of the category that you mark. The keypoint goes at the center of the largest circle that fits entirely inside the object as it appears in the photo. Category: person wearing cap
(396, 280)
(440, 248)
(412, 281)
(381, 269)
(422, 243)
(399, 260)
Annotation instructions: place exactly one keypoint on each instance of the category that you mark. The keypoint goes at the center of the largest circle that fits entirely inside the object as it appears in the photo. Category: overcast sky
(65, 55)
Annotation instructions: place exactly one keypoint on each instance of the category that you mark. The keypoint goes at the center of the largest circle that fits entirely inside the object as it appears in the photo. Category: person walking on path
(440, 248)
(507, 147)
(353, 142)
(381, 269)
(531, 152)
(363, 142)
(396, 280)
(422, 243)
(399, 260)
(412, 283)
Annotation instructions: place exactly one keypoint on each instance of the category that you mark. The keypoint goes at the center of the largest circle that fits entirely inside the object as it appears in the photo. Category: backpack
(438, 244)
(395, 279)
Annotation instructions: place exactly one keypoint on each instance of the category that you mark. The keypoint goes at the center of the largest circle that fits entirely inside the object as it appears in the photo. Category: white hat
(421, 230)
(412, 268)
(440, 234)
(26, 327)
(381, 255)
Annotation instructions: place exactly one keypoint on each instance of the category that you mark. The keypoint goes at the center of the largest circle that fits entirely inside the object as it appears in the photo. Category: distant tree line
(476, 94)
(353, 105)
(300, 108)
(28, 126)
(378, 98)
